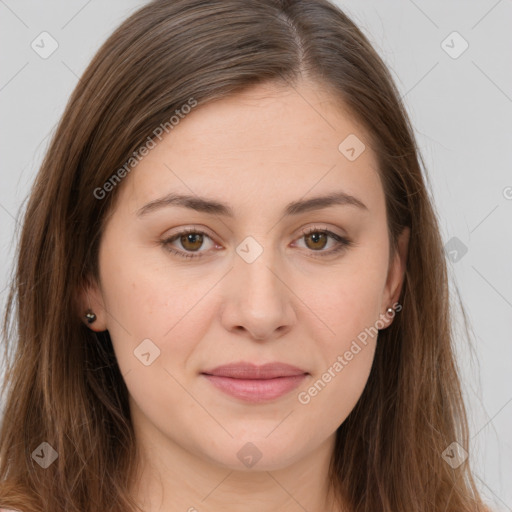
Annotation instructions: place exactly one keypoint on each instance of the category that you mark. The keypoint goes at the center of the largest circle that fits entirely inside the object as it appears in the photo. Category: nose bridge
(256, 268)
(257, 297)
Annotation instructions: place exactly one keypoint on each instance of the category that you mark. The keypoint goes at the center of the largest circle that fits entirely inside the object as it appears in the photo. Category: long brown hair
(62, 380)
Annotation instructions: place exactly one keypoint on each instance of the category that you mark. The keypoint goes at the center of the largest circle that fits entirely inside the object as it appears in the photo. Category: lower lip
(256, 390)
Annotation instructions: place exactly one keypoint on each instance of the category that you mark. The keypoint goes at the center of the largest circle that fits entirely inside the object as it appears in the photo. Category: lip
(244, 370)
(255, 383)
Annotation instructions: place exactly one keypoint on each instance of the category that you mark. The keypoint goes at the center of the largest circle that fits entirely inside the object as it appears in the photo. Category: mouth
(256, 383)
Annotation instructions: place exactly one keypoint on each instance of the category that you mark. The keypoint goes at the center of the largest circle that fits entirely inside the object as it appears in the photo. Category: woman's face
(248, 285)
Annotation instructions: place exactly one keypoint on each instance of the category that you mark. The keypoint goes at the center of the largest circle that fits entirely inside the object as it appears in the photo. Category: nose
(257, 299)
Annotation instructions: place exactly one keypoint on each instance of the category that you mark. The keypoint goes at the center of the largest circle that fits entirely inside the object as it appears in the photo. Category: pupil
(192, 238)
(316, 237)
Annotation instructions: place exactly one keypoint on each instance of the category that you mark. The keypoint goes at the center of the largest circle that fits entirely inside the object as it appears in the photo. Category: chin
(254, 454)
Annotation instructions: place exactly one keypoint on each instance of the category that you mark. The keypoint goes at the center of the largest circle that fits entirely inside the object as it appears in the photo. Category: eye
(191, 240)
(316, 239)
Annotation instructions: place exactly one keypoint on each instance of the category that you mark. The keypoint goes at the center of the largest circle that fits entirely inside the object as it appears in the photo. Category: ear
(395, 279)
(90, 297)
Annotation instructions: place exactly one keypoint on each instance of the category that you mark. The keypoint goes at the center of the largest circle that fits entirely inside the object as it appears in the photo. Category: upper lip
(243, 370)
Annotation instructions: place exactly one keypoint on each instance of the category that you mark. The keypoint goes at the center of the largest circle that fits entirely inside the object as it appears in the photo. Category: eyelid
(342, 241)
(315, 227)
(167, 240)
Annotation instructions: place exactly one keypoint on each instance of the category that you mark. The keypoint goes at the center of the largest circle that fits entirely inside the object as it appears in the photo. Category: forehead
(267, 143)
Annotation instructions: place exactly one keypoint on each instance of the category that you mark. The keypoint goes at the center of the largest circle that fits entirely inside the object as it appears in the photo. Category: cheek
(349, 307)
(154, 309)
(347, 355)
(333, 394)
(349, 301)
(146, 294)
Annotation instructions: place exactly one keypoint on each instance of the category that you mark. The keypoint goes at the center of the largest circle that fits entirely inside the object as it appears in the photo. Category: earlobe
(90, 316)
(91, 307)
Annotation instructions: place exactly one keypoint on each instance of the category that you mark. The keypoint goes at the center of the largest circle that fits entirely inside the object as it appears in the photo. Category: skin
(256, 151)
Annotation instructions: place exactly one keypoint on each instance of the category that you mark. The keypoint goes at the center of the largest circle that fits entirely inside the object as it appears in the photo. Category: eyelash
(343, 242)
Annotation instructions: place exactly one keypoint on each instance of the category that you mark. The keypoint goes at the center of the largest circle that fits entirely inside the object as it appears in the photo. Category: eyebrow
(213, 207)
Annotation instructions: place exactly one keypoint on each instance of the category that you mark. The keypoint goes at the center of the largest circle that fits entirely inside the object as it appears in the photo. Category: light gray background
(461, 109)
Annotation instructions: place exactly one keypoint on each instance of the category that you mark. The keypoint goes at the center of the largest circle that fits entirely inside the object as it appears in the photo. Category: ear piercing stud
(90, 316)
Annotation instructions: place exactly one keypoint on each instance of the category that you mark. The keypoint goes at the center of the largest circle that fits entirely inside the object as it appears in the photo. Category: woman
(231, 292)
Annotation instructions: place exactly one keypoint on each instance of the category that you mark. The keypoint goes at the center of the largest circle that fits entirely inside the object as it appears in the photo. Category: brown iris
(317, 237)
(196, 239)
